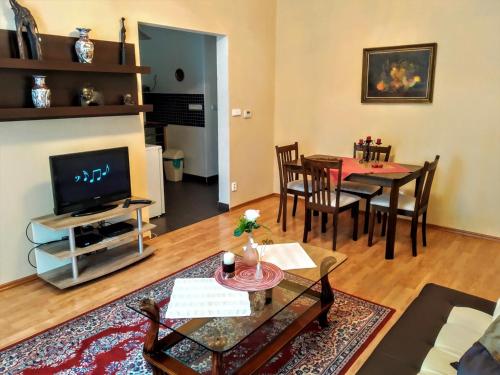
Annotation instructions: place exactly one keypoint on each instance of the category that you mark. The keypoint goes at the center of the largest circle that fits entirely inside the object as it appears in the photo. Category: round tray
(244, 277)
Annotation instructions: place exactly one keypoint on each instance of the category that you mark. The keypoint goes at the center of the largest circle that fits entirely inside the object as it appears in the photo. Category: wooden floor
(468, 264)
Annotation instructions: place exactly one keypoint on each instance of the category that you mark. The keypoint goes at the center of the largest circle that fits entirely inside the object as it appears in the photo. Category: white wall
(194, 53)
(168, 50)
(319, 49)
(25, 146)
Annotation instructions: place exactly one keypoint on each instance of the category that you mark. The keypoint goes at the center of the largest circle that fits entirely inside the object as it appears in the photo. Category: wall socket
(234, 186)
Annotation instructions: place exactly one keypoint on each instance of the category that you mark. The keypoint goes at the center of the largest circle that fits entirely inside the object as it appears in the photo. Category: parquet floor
(465, 263)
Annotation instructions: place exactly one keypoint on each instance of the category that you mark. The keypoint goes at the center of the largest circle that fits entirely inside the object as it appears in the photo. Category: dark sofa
(406, 345)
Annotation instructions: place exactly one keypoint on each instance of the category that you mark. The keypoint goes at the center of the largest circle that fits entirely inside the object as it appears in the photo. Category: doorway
(188, 89)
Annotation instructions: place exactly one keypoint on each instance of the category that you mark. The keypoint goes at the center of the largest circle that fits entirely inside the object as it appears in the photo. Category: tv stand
(64, 265)
(94, 210)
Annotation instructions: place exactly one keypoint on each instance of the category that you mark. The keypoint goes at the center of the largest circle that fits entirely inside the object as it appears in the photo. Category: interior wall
(319, 48)
(25, 146)
(168, 50)
(196, 54)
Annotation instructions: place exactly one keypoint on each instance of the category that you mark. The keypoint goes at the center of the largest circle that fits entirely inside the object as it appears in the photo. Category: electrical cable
(38, 244)
(28, 237)
(29, 253)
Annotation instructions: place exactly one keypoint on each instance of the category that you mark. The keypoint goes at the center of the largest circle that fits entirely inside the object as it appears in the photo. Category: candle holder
(228, 265)
(366, 143)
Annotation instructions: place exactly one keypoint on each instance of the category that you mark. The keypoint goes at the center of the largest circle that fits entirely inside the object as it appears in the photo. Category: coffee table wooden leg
(327, 297)
(216, 363)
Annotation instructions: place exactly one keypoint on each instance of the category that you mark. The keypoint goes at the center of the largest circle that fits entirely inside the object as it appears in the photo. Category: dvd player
(113, 230)
(87, 239)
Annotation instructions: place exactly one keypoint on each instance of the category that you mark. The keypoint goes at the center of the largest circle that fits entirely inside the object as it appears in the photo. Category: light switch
(247, 113)
(235, 112)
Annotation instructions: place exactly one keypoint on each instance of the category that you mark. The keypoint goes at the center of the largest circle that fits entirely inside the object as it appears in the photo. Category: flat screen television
(84, 183)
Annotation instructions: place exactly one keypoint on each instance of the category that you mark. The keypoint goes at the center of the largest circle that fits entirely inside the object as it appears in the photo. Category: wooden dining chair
(320, 195)
(412, 206)
(367, 191)
(290, 183)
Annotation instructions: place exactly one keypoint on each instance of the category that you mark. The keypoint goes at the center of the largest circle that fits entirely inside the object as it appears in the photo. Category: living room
(298, 67)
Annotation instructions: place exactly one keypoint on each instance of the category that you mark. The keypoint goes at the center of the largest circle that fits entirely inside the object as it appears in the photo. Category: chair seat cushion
(345, 199)
(405, 202)
(358, 187)
(297, 185)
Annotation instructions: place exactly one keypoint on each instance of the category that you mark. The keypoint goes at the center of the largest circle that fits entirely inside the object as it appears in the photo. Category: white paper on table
(287, 256)
(205, 298)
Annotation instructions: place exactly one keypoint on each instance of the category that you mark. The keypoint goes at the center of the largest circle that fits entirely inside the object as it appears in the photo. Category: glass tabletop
(298, 287)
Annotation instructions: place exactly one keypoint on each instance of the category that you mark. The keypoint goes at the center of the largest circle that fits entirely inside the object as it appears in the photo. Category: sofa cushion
(456, 339)
(470, 318)
(496, 313)
(439, 362)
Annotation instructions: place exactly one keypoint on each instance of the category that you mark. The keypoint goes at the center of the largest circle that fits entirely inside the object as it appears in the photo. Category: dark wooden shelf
(43, 65)
(17, 114)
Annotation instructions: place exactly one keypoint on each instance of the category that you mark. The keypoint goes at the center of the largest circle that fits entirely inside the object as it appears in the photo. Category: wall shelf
(46, 65)
(66, 77)
(18, 114)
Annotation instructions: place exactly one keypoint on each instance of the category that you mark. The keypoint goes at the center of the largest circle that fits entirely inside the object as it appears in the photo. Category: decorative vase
(40, 93)
(84, 47)
(258, 271)
(250, 254)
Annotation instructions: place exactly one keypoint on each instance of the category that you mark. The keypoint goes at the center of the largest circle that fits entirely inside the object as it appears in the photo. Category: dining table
(394, 181)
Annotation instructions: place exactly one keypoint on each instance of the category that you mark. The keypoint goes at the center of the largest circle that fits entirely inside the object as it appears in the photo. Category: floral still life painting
(398, 74)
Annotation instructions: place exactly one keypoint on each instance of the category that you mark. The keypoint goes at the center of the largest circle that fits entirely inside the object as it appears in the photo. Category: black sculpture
(122, 40)
(23, 18)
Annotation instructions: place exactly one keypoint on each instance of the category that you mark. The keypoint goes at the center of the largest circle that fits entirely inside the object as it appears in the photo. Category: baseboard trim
(443, 228)
(253, 201)
(465, 232)
(17, 282)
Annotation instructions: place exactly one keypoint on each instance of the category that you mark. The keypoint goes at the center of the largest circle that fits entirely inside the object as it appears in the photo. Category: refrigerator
(156, 192)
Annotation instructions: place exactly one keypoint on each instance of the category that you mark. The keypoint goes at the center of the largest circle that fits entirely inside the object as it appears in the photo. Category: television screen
(86, 180)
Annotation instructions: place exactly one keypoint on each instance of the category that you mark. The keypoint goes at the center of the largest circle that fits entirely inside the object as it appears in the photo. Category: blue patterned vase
(40, 93)
(84, 47)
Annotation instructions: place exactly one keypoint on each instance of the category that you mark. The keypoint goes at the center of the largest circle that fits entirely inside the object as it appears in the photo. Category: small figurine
(90, 97)
(122, 40)
(23, 18)
(128, 100)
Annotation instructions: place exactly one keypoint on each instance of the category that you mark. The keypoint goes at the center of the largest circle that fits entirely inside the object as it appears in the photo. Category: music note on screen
(106, 171)
(94, 173)
(85, 176)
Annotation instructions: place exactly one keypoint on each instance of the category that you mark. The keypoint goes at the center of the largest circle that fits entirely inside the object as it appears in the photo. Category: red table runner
(350, 165)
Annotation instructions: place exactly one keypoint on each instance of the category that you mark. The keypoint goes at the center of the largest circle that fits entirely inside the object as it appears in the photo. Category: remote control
(141, 201)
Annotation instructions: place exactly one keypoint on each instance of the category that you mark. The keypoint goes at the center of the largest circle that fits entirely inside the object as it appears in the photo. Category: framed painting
(400, 74)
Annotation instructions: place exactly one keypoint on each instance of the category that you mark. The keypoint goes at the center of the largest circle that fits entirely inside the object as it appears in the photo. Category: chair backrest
(423, 191)
(285, 154)
(375, 151)
(318, 183)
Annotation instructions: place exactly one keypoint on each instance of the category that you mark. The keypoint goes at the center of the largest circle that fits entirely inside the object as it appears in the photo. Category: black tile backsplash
(174, 109)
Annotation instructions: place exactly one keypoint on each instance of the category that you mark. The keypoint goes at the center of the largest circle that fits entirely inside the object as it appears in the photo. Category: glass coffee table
(277, 316)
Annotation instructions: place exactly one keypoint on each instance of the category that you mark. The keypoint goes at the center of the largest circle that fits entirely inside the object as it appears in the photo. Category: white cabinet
(155, 180)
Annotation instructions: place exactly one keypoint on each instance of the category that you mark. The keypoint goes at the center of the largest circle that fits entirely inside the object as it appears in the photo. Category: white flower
(252, 215)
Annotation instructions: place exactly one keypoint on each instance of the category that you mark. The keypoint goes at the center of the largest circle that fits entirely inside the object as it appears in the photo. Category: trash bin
(173, 163)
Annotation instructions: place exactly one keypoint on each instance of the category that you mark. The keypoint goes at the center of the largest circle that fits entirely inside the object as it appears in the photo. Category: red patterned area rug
(109, 339)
